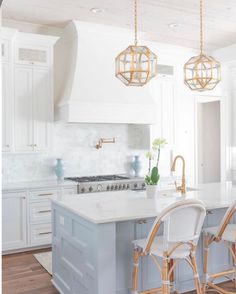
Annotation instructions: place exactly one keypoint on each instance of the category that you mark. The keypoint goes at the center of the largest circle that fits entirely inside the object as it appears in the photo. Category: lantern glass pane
(202, 73)
(136, 65)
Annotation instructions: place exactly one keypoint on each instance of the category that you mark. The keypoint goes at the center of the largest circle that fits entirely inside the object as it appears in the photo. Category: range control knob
(112, 187)
(135, 185)
(143, 185)
(128, 186)
(123, 187)
(90, 189)
(83, 190)
(120, 187)
(116, 187)
(108, 188)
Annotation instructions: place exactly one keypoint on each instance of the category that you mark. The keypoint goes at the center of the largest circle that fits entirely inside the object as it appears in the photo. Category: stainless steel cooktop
(107, 183)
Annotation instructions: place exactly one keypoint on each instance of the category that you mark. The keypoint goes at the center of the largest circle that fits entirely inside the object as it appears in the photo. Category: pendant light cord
(135, 24)
(201, 26)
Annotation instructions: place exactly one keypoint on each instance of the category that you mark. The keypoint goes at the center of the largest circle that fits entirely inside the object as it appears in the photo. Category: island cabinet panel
(149, 275)
(219, 258)
(90, 258)
(83, 255)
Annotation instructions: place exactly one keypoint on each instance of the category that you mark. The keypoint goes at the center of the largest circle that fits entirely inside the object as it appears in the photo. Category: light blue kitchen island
(93, 234)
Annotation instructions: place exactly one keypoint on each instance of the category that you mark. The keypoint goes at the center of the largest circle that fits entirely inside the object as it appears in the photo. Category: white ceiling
(154, 17)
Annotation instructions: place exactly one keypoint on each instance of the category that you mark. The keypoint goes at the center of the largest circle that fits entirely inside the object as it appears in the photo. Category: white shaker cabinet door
(168, 112)
(23, 116)
(14, 220)
(42, 106)
(7, 113)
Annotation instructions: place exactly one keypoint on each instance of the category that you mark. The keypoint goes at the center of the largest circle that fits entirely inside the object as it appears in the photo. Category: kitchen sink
(173, 192)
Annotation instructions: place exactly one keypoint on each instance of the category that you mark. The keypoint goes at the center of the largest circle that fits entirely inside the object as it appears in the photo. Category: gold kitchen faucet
(181, 188)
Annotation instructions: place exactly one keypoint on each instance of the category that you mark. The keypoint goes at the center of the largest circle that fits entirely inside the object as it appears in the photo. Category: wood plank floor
(22, 274)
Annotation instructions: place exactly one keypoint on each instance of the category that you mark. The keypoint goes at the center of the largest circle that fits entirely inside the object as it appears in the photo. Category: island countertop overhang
(107, 207)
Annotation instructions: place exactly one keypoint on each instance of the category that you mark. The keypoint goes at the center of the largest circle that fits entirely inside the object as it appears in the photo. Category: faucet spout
(181, 188)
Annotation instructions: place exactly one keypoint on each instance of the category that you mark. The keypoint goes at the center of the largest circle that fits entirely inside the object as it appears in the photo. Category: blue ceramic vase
(136, 165)
(59, 169)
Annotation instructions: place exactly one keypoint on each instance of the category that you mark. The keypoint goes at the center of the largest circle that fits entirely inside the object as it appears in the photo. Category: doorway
(208, 142)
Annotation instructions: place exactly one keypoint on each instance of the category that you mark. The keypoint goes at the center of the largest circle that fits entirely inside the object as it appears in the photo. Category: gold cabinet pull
(45, 194)
(142, 221)
(45, 233)
(45, 211)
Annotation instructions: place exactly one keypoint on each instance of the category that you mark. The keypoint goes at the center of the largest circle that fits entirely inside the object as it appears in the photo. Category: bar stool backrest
(182, 224)
(226, 219)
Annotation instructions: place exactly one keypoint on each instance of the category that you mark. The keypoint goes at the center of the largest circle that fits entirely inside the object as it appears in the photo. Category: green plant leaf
(155, 175)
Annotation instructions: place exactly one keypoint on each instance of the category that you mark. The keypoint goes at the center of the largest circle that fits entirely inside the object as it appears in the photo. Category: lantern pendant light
(136, 65)
(202, 72)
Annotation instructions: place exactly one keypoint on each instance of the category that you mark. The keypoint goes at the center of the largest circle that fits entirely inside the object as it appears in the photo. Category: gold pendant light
(136, 65)
(202, 72)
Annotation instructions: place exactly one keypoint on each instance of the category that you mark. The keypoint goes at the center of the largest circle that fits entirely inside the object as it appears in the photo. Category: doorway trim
(223, 140)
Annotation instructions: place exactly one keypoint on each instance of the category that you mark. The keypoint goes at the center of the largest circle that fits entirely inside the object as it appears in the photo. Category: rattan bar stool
(182, 224)
(226, 232)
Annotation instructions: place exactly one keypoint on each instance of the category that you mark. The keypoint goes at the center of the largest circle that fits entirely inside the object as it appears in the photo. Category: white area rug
(45, 259)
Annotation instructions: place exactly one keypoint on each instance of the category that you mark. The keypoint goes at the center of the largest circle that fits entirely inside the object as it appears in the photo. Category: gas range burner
(97, 178)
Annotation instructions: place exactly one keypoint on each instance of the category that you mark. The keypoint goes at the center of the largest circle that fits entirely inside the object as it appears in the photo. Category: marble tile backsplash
(75, 143)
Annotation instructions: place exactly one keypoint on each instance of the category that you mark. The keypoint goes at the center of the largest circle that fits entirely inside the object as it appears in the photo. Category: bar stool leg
(234, 263)
(206, 259)
(196, 276)
(165, 278)
(135, 271)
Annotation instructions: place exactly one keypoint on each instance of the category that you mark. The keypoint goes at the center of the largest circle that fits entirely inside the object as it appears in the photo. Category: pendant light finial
(136, 65)
(202, 72)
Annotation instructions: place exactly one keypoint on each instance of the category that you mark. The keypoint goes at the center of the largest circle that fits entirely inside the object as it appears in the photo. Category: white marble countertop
(36, 185)
(105, 207)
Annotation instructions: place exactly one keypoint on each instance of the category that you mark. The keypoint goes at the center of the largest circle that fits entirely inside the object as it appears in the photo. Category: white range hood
(86, 88)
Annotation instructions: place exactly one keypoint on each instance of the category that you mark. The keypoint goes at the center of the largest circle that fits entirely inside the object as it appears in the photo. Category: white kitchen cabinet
(32, 109)
(168, 111)
(41, 234)
(5, 50)
(165, 104)
(27, 214)
(14, 220)
(7, 108)
(23, 110)
(27, 91)
(42, 108)
(28, 54)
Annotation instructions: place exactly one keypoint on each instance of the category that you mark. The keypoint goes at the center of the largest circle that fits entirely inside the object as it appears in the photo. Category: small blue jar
(136, 165)
(59, 169)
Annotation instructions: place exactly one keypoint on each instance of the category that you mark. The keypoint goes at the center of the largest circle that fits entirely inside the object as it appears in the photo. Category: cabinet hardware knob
(35, 145)
(209, 212)
(7, 145)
